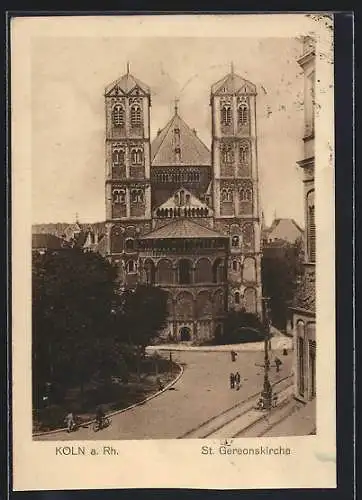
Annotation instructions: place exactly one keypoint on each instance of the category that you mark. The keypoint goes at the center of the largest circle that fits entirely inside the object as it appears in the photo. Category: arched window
(301, 357)
(164, 272)
(134, 196)
(227, 153)
(119, 196)
(136, 116)
(243, 113)
(226, 115)
(136, 156)
(137, 196)
(237, 298)
(118, 115)
(118, 157)
(184, 272)
(245, 194)
(182, 198)
(244, 153)
(250, 300)
(227, 195)
(129, 244)
(311, 228)
(218, 271)
(131, 266)
(235, 265)
(203, 271)
(178, 154)
(149, 267)
(116, 239)
(235, 241)
(203, 305)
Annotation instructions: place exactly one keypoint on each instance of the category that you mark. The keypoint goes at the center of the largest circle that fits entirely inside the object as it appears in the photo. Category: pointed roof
(233, 84)
(283, 229)
(182, 228)
(193, 151)
(193, 202)
(125, 84)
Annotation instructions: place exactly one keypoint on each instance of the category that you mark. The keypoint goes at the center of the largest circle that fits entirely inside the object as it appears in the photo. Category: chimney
(194, 131)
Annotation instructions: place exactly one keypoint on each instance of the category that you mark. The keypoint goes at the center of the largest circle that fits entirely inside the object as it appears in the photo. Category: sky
(68, 120)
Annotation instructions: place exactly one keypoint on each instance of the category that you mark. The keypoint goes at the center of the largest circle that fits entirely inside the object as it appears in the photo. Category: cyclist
(70, 421)
(100, 416)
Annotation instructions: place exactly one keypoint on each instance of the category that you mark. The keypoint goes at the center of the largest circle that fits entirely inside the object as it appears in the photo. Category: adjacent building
(304, 313)
(181, 216)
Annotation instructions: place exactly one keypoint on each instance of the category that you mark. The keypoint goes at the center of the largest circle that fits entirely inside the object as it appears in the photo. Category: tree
(72, 295)
(241, 326)
(281, 266)
(140, 314)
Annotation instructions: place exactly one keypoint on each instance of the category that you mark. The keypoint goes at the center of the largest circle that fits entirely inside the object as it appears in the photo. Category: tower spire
(232, 68)
(127, 67)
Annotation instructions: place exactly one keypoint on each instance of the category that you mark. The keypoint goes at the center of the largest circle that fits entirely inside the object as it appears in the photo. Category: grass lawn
(113, 395)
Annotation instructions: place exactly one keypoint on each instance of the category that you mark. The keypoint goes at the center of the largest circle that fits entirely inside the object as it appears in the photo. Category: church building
(180, 216)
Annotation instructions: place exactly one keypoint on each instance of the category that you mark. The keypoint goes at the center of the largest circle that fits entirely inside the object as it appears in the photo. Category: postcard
(172, 203)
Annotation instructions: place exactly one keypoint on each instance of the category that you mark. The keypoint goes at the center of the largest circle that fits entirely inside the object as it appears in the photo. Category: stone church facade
(180, 216)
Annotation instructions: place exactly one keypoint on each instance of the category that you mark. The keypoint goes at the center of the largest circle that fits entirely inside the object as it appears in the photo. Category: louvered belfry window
(136, 116)
(118, 115)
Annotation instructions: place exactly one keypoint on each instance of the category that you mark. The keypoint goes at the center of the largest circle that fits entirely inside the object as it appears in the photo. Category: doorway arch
(185, 334)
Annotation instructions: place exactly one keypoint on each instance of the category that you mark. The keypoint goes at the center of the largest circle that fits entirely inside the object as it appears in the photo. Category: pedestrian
(69, 420)
(232, 381)
(233, 356)
(278, 363)
(285, 351)
(237, 380)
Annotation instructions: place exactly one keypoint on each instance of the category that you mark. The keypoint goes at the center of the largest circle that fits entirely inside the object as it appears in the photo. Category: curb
(118, 412)
(207, 349)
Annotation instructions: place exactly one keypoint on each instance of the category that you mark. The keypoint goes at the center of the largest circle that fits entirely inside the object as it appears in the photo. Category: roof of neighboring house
(48, 241)
(193, 151)
(81, 239)
(182, 228)
(283, 229)
(126, 84)
(101, 246)
(232, 84)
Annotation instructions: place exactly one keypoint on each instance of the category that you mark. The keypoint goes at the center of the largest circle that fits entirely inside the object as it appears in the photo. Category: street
(201, 393)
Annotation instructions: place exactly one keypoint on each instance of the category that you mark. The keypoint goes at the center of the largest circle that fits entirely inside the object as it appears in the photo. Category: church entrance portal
(185, 334)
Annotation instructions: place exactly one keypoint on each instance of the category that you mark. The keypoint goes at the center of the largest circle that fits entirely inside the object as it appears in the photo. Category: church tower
(235, 186)
(127, 185)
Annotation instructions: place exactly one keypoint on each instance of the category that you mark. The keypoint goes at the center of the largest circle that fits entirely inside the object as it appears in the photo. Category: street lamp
(267, 393)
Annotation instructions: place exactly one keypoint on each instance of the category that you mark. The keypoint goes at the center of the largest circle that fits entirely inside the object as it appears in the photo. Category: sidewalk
(278, 343)
(300, 423)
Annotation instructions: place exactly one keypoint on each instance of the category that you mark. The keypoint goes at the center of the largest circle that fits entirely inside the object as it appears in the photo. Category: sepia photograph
(174, 239)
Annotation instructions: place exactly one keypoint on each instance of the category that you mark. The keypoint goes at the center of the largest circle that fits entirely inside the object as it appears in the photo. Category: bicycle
(99, 425)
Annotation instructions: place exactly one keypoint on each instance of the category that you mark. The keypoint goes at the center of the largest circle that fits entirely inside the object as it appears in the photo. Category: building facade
(179, 215)
(304, 313)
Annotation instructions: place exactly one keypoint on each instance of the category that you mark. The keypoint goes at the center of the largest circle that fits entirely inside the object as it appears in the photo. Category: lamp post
(267, 392)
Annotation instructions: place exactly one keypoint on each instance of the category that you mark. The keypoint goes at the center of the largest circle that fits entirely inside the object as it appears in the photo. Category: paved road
(202, 392)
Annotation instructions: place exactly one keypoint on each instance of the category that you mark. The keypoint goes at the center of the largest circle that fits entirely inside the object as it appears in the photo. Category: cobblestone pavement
(202, 392)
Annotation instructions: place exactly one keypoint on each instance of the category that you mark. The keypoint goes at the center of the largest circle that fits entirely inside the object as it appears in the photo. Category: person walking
(233, 356)
(278, 363)
(232, 381)
(237, 380)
